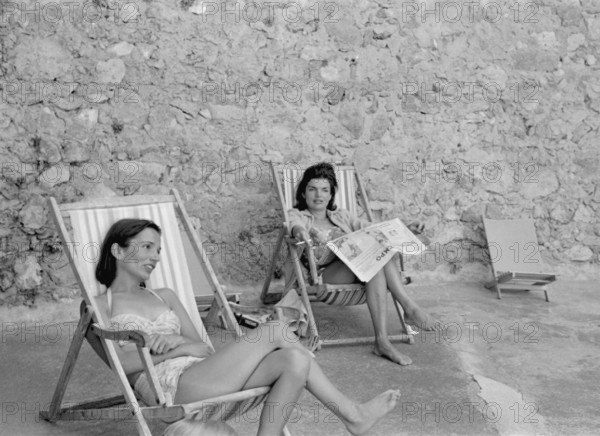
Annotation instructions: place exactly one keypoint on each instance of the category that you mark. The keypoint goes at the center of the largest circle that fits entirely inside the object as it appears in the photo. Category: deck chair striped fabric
(89, 223)
(350, 189)
(348, 297)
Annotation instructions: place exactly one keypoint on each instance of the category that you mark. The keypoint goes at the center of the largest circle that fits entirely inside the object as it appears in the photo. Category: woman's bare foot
(422, 319)
(389, 352)
(368, 414)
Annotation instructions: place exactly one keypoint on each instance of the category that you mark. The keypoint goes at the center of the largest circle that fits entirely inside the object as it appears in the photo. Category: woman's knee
(296, 362)
(277, 333)
(338, 273)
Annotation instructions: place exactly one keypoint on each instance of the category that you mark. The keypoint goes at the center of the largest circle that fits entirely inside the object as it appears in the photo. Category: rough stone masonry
(450, 110)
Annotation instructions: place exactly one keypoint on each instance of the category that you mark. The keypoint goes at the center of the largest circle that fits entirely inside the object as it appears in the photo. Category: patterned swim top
(323, 255)
(167, 323)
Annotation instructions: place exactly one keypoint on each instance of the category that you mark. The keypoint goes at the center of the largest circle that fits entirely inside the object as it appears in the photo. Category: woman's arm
(298, 226)
(132, 362)
(188, 330)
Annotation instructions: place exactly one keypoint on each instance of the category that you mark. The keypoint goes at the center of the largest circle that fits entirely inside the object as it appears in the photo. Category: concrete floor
(513, 366)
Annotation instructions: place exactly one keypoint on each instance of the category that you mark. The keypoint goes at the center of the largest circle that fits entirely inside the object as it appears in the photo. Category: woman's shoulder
(102, 300)
(346, 218)
(166, 294)
(342, 213)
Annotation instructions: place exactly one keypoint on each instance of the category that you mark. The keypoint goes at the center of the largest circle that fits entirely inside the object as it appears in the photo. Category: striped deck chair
(88, 223)
(350, 191)
(515, 256)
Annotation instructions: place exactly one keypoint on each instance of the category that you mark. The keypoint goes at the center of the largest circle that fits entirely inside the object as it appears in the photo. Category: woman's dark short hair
(120, 232)
(321, 170)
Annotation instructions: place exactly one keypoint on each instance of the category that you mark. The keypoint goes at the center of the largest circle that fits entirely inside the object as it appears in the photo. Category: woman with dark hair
(316, 220)
(186, 367)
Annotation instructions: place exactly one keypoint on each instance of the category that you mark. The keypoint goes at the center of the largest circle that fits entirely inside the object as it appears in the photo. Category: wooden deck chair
(350, 191)
(515, 256)
(88, 224)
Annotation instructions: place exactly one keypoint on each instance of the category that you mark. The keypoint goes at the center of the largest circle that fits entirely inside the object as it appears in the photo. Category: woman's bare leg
(286, 371)
(234, 364)
(358, 418)
(377, 303)
(338, 272)
(288, 368)
(394, 283)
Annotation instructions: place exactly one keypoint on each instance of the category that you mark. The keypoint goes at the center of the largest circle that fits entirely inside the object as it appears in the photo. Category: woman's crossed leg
(283, 363)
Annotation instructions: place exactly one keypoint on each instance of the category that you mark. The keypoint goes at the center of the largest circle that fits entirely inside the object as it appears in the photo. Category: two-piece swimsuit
(168, 371)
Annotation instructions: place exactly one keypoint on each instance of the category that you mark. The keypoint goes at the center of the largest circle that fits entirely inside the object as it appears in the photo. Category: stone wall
(451, 110)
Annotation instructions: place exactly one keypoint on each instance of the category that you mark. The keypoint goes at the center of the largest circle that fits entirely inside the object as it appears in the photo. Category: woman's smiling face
(317, 194)
(141, 255)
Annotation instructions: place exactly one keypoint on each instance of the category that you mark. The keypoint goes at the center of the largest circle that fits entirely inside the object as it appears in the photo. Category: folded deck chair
(347, 197)
(82, 227)
(515, 256)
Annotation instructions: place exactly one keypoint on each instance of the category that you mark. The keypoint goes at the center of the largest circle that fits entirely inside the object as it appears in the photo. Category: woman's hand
(416, 227)
(160, 344)
(194, 349)
(303, 236)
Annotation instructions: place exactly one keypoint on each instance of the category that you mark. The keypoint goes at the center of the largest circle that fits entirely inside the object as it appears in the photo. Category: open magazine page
(366, 251)
(395, 233)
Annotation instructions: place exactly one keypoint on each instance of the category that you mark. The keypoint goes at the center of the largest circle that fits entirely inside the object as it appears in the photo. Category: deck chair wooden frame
(171, 272)
(515, 257)
(350, 191)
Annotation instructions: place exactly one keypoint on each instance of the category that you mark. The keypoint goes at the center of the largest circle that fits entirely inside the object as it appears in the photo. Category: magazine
(367, 250)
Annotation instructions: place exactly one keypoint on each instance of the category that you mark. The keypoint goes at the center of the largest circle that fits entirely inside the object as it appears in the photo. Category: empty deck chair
(82, 227)
(515, 256)
(350, 191)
